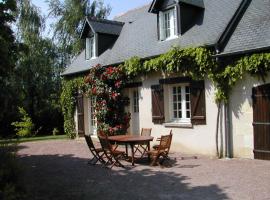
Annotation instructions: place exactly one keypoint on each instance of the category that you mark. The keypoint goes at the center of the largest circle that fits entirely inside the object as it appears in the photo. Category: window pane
(175, 106)
(179, 90)
(187, 106)
(187, 89)
(136, 101)
(180, 106)
(188, 114)
(187, 97)
(175, 114)
(87, 48)
(179, 97)
(174, 90)
(180, 114)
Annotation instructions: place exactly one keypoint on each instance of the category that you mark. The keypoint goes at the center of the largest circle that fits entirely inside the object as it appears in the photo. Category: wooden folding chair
(142, 148)
(110, 152)
(96, 152)
(162, 150)
(158, 139)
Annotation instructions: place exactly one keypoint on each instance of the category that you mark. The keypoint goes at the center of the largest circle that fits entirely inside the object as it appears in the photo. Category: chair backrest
(146, 132)
(89, 141)
(165, 142)
(169, 145)
(104, 142)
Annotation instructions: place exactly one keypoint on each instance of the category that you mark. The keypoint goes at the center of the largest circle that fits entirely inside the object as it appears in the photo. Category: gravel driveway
(59, 170)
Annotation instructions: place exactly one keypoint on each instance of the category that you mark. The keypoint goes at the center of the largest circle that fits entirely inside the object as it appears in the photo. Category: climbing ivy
(70, 87)
(193, 62)
(197, 63)
(255, 65)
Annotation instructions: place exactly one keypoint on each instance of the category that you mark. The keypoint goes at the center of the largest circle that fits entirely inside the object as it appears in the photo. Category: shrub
(11, 187)
(24, 128)
(55, 132)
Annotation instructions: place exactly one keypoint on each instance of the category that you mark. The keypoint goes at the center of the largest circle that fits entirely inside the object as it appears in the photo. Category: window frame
(172, 25)
(91, 115)
(184, 110)
(90, 48)
(135, 100)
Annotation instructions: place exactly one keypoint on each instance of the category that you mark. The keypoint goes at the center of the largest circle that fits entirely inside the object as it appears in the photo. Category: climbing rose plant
(106, 84)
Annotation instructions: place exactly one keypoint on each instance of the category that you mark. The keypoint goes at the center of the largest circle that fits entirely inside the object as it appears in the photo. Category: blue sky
(118, 7)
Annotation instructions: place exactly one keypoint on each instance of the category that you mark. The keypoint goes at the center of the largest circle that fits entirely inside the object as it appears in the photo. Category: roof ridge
(131, 10)
(107, 21)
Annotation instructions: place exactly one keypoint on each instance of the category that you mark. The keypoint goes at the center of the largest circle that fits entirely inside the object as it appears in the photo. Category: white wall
(199, 139)
(241, 112)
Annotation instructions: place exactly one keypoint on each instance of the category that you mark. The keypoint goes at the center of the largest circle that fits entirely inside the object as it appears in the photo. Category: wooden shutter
(157, 104)
(198, 113)
(80, 114)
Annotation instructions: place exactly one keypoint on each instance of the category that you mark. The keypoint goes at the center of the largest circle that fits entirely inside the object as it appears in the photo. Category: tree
(70, 15)
(38, 70)
(8, 55)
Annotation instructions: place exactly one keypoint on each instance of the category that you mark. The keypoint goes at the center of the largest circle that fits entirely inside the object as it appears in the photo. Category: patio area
(59, 170)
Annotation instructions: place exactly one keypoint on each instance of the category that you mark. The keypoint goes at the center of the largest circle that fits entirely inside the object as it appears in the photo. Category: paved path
(58, 170)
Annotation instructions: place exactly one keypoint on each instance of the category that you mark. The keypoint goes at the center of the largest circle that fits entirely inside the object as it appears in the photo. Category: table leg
(132, 154)
(126, 149)
(148, 147)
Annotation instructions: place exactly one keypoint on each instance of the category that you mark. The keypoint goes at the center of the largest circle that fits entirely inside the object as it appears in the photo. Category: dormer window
(90, 48)
(168, 24)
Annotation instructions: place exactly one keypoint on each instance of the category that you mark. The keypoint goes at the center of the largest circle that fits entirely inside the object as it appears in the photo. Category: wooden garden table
(131, 140)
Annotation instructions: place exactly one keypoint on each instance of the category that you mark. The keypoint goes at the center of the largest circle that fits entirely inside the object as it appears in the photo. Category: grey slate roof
(198, 3)
(105, 26)
(253, 30)
(139, 35)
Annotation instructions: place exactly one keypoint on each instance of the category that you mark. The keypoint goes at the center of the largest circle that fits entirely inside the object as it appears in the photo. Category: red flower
(118, 84)
(114, 95)
(94, 90)
(103, 77)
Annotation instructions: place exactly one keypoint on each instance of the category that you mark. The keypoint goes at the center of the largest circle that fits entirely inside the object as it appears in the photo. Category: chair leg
(154, 160)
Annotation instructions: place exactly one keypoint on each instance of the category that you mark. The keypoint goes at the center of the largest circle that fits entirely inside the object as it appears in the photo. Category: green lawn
(31, 139)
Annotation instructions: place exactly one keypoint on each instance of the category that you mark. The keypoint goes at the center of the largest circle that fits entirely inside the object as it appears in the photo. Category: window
(135, 101)
(180, 104)
(90, 48)
(168, 26)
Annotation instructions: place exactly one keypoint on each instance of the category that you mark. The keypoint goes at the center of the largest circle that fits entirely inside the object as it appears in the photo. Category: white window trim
(87, 48)
(186, 122)
(135, 100)
(173, 23)
(92, 129)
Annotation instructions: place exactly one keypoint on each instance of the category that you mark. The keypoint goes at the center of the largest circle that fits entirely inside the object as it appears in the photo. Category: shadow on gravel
(65, 177)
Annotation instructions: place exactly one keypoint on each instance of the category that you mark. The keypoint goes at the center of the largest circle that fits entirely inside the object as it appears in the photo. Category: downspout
(218, 118)
(228, 152)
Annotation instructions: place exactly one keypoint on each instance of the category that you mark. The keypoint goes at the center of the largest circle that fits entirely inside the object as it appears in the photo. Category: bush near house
(25, 127)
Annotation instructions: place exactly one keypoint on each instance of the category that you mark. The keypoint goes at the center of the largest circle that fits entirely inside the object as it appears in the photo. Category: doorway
(261, 121)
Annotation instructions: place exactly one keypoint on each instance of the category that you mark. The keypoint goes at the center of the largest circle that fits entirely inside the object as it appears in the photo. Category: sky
(118, 7)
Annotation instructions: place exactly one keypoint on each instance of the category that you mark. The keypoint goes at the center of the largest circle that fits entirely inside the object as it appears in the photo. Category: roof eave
(233, 53)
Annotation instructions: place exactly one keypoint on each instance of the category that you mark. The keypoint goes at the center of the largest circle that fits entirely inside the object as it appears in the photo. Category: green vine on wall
(193, 62)
(197, 63)
(70, 87)
(255, 65)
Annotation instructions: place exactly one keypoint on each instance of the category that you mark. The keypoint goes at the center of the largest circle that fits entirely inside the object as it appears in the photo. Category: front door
(261, 121)
(92, 118)
(134, 110)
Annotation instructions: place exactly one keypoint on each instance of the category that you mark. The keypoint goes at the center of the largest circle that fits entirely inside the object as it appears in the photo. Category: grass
(32, 139)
